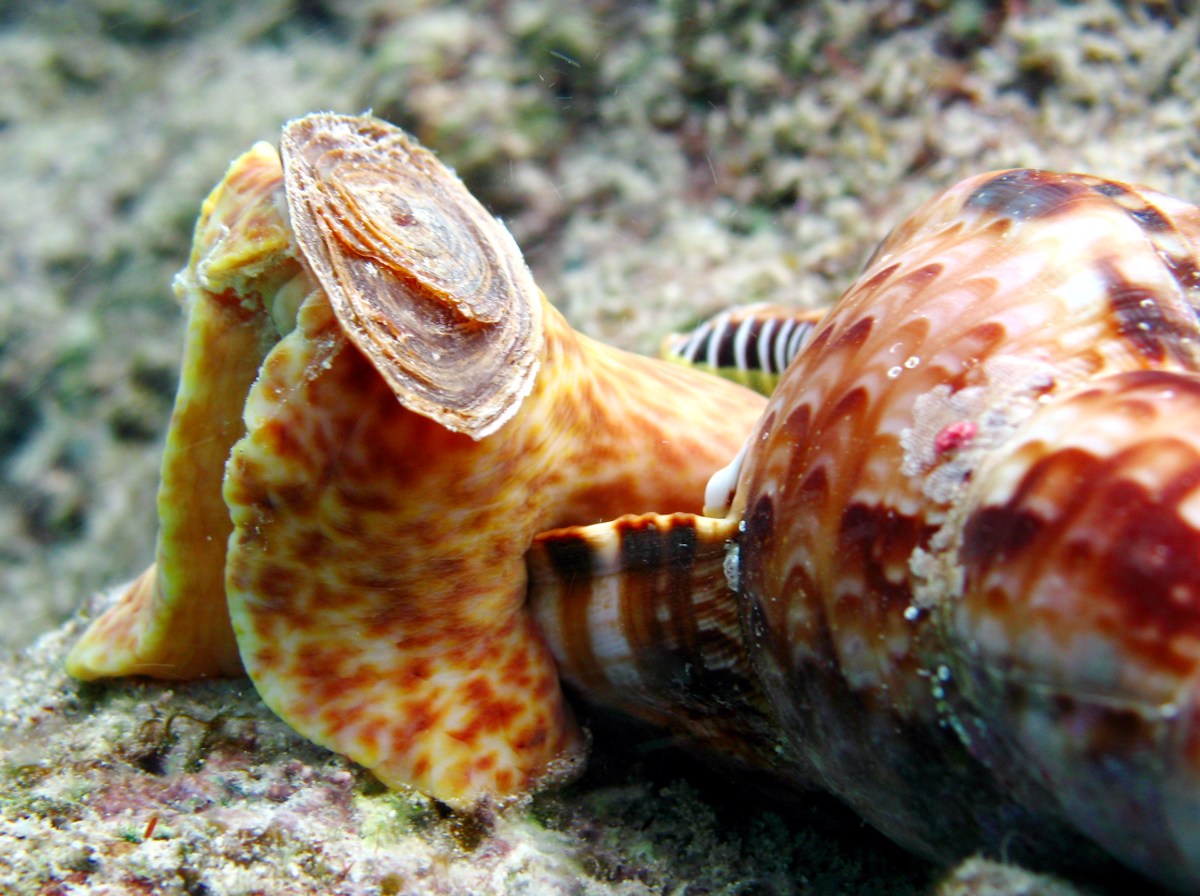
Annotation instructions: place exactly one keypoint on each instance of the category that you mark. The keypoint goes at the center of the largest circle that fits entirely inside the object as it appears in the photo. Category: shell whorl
(427, 284)
(639, 617)
(1006, 291)
(1077, 631)
(963, 542)
(1010, 295)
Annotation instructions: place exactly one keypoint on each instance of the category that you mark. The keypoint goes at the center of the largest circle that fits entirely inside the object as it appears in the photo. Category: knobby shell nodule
(957, 581)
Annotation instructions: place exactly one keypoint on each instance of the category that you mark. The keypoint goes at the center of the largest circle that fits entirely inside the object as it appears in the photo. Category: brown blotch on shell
(853, 338)
(1144, 320)
(1025, 194)
(880, 540)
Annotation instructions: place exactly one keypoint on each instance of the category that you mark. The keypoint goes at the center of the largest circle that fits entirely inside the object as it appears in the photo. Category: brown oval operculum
(426, 283)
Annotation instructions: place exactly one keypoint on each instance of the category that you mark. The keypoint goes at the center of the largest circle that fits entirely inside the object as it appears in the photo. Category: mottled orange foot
(420, 413)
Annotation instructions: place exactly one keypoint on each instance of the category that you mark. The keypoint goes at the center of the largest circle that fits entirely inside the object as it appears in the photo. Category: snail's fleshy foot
(172, 623)
(376, 584)
(365, 541)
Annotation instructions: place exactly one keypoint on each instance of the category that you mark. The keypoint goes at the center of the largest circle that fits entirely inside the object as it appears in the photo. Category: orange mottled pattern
(377, 575)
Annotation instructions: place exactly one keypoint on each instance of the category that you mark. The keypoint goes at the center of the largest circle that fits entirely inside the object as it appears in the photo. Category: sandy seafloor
(656, 162)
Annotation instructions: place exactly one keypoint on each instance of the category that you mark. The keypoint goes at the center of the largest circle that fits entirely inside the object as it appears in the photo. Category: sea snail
(950, 574)
(955, 577)
(377, 412)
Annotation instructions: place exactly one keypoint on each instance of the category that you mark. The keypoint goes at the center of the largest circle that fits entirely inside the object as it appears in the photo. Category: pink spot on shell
(954, 436)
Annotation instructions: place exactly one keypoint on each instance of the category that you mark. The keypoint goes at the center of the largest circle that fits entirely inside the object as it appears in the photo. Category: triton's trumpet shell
(958, 579)
(951, 573)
